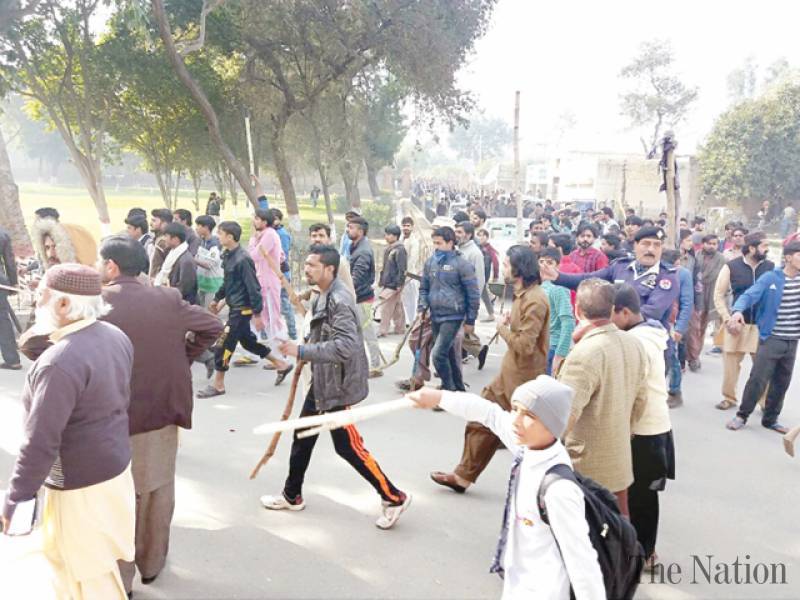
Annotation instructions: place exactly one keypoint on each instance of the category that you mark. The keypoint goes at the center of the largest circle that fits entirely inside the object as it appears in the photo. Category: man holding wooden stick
(339, 369)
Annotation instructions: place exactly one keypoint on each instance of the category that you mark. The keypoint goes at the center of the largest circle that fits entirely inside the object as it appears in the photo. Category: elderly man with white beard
(76, 443)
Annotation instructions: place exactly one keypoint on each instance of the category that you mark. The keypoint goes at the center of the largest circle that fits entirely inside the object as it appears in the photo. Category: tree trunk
(177, 190)
(350, 179)
(94, 183)
(164, 186)
(323, 173)
(209, 114)
(326, 192)
(196, 186)
(230, 181)
(11, 217)
(372, 179)
(217, 177)
(285, 177)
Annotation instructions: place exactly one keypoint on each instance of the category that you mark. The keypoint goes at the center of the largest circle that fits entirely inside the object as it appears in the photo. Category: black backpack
(619, 553)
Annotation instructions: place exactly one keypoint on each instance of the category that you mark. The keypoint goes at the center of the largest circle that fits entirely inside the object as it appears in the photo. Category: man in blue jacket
(686, 303)
(777, 296)
(449, 289)
(656, 283)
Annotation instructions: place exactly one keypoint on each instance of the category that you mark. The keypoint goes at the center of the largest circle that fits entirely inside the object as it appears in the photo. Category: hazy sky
(566, 56)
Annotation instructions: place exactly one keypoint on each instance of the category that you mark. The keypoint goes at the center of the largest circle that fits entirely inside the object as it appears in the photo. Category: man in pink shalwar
(265, 250)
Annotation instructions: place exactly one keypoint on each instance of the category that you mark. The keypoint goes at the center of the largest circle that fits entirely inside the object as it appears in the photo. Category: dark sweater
(76, 424)
(362, 270)
(184, 277)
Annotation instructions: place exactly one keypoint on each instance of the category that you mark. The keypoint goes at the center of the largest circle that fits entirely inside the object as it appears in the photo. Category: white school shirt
(534, 567)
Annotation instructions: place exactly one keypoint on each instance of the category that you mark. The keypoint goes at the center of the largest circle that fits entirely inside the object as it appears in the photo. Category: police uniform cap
(649, 233)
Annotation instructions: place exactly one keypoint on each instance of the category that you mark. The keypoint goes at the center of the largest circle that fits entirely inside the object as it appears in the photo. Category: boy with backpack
(546, 543)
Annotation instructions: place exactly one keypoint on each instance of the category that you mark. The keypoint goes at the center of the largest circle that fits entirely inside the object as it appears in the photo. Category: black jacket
(8, 273)
(183, 277)
(335, 349)
(393, 274)
(362, 269)
(240, 288)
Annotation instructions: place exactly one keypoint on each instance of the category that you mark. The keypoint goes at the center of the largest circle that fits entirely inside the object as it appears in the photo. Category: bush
(385, 198)
(340, 203)
(378, 216)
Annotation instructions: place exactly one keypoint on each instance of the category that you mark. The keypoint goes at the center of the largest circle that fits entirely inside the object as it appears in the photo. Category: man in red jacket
(586, 256)
(167, 335)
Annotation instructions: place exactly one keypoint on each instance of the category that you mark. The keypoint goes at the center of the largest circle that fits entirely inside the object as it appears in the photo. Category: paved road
(736, 494)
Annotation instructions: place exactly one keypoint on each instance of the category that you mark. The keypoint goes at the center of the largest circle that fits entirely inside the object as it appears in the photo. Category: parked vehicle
(503, 233)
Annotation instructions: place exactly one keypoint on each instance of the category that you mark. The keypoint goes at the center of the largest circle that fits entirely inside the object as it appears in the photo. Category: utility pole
(673, 196)
(520, 234)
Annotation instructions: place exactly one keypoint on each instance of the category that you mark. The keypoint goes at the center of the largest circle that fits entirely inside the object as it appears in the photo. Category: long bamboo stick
(287, 411)
(337, 419)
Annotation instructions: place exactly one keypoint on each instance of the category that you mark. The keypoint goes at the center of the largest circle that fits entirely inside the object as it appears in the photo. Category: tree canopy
(657, 98)
(483, 137)
(753, 149)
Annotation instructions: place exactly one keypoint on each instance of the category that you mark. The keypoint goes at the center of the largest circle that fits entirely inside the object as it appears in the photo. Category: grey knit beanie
(548, 399)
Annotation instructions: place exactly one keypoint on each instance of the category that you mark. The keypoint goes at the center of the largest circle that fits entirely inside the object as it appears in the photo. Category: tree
(296, 50)
(753, 149)
(742, 82)
(483, 137)
(153, 115)
(33, 137)
(382, 98)
(52, 59)
(11, 217)
(657, 97)
(173, 53)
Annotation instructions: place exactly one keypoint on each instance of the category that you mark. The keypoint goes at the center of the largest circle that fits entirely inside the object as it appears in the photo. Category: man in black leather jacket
(242, 293)
(335, 349)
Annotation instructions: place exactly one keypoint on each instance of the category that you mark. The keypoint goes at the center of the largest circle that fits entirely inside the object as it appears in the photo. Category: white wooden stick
(336, 419)
(249, 143)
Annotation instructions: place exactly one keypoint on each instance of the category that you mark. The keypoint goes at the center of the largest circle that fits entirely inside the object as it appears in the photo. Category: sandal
(777, 427)
(448, 480)
(244, 361)
(725, 404)
(282, 374)
(209, 392)
(736, 423)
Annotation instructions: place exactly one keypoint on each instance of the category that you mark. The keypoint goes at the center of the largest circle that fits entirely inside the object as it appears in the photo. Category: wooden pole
(672, 203)
(249, 142)
(287, 412)
(520, 233)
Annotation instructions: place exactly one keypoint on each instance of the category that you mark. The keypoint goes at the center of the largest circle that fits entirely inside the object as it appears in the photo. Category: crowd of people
(599, 316)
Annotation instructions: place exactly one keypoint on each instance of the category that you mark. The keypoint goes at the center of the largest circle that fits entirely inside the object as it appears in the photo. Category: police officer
(655, 282)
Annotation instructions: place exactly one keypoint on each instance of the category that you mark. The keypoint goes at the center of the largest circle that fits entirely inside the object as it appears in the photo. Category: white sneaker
(280, 502)
(392, 513)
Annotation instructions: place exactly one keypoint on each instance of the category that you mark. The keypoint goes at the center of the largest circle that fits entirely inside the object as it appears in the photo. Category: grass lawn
(76, 206)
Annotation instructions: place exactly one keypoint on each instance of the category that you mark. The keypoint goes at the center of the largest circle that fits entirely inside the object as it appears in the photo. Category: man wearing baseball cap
(536, 560)
(76, 439)
(656, 283)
